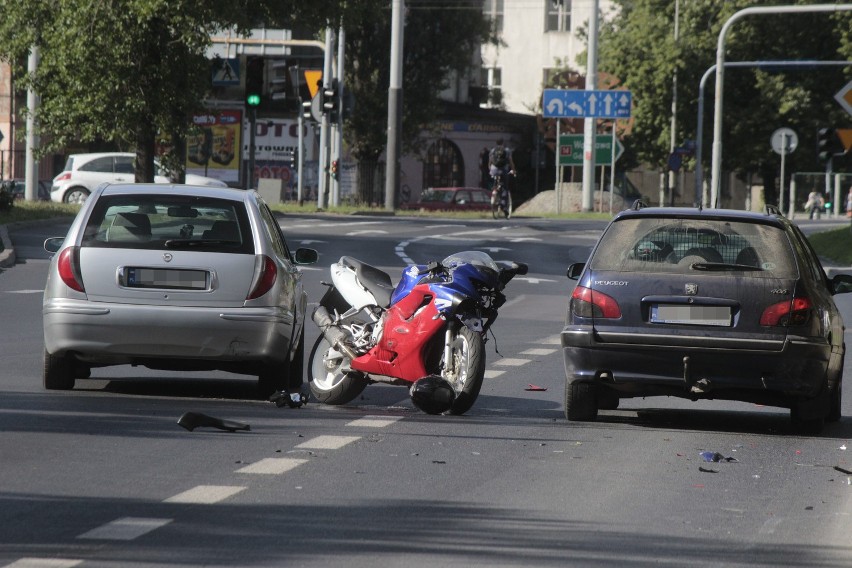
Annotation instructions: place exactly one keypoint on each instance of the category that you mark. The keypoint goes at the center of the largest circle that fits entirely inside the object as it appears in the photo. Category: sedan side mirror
(575, 270)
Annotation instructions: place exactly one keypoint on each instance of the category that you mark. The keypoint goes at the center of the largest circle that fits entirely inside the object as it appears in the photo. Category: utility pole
(589, 124)
(673, 142)
(394, 105)
(322, 188)
(31, 165)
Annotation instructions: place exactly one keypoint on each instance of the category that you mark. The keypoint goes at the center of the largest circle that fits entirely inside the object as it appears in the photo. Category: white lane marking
(314, 224)
(515, 300)
(25, 292)
(310, 242)
(44, 563)
(127, 528)
(374, 421)
(538, 351)
(524, 239)
(328, 442)
(509, 362)
(272, 466)
(533, 280)
(552, 340)
(489, 374)
(205, 494)
(367, 232)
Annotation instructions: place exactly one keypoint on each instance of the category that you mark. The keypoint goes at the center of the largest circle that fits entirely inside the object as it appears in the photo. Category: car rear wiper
(721, 266)
(190, 243)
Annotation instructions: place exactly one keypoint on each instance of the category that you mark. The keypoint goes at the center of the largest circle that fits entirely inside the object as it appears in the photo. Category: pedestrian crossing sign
(226, 72)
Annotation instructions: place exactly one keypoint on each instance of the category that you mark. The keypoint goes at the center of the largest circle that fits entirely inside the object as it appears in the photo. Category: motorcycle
(428, 332)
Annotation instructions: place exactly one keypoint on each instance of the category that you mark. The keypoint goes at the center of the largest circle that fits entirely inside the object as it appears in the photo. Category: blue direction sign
(573, 103)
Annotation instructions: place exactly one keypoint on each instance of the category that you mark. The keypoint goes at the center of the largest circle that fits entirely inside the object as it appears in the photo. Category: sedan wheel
(58, 372)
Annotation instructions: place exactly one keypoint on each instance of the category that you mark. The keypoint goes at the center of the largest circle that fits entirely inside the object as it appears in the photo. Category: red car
(452, 199)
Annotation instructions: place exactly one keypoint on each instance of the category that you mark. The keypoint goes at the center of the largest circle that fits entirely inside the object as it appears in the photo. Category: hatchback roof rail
(639, 204)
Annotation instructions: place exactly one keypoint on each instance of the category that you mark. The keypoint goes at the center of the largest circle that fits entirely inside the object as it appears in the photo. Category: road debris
(715, 457)
(535, 388)
(193, 420)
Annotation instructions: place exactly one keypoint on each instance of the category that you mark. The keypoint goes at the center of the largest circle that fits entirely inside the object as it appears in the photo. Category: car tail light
(69, 268)
(588, 303)
(787, 313)
(62, 177)
(265, 273)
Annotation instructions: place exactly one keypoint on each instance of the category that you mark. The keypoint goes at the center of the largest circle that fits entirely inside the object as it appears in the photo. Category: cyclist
(500, 164)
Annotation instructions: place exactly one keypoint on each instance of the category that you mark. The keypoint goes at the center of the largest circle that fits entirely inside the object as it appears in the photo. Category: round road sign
(784, 141)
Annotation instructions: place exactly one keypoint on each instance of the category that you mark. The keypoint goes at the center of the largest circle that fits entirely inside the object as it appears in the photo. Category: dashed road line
(510, 362)
(538, 351)
(206, 494)
(328, 442)
(44, 563)
(126, 528)
(375, 421)
(272, 466)
(491, 374)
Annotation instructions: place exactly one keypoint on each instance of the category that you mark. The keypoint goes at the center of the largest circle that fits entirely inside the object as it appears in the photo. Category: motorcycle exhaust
(333, 334)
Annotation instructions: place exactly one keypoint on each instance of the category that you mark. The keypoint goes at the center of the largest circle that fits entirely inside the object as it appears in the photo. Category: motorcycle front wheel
(331, 380)
(465, 370)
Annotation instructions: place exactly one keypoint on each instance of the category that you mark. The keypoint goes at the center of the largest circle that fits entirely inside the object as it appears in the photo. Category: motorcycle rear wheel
(466, 369)
(329, 383)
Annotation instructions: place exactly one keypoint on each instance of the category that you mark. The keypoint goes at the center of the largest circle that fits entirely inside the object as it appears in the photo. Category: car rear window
(169, 222)
(680, 246)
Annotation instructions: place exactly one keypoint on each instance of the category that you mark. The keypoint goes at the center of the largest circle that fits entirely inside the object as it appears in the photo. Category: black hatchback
(705, 304)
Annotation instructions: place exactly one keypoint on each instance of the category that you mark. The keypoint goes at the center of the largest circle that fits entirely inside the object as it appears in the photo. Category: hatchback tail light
(787, 313)
(588, 303)
(69, 268)
(265, 274)
(62, 177)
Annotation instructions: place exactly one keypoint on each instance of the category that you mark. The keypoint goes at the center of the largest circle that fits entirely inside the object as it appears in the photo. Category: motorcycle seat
(376, 280)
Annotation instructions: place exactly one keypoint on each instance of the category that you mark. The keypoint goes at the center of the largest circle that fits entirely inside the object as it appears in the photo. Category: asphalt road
(103, 476)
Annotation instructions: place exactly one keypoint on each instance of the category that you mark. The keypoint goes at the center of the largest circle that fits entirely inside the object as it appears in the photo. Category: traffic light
(828, 144)
(306, 110)
(334, 172)
(254, 81)
(329, 97)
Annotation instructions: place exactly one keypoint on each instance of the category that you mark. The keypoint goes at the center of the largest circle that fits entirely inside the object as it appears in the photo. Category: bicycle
(501, 198)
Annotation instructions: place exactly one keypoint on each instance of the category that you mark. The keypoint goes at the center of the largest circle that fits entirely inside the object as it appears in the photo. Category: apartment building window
(558, 18)
(493, 9)
(492, 78)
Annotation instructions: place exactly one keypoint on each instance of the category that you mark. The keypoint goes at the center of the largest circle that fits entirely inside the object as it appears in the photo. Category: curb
(7, 255)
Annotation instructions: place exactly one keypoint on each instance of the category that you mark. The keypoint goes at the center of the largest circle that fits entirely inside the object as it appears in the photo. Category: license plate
(170, 278)
(691, 314)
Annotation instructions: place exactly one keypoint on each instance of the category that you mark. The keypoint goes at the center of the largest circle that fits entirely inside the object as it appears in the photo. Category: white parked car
(84, 172)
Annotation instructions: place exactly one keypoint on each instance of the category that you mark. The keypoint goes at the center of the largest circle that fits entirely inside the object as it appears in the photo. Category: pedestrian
(814, 204)
(849, 202)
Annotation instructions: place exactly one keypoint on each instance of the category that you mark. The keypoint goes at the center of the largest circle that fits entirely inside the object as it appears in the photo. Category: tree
(638, 46)
(128, 71)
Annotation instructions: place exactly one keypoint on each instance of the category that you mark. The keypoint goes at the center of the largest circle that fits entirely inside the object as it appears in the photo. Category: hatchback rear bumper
(112, 334)
(773, 372)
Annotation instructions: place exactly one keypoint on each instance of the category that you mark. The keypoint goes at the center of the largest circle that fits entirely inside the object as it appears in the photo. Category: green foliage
(639, 47)
(834, 245)
(121, 72)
